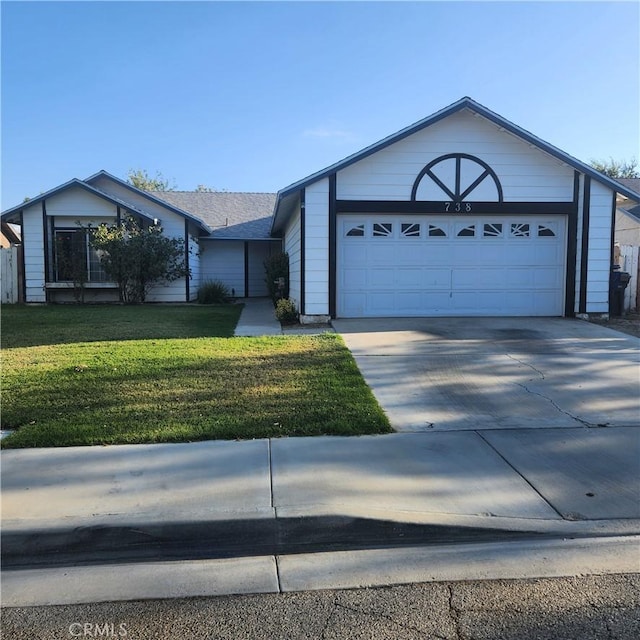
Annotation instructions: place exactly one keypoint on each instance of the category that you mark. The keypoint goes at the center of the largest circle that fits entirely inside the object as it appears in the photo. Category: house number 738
(458, 207)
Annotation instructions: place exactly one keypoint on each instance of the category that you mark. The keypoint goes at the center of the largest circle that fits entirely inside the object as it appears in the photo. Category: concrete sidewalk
(257, 319)
(300, 513)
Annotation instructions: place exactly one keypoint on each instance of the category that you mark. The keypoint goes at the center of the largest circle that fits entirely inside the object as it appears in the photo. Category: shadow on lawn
(30, 326)
(257, 390)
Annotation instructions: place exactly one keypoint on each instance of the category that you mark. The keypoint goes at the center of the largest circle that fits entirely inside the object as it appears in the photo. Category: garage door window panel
(382, 229)
(546, 231)
(354, 230)
(492, 230)
(410, 229)
(520, 230)
(436, 231)
(466, 231)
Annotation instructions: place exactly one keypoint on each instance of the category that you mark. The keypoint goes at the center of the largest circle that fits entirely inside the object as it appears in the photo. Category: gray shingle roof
(230, 214)
(630, 183)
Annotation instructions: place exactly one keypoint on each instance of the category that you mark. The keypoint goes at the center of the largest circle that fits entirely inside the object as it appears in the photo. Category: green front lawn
(112, 374)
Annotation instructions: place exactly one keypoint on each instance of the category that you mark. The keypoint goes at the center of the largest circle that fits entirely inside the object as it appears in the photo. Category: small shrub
(213, 292)
(277, 271)
(286, 311)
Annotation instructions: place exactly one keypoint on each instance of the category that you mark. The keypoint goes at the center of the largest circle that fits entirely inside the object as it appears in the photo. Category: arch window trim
(456, 195)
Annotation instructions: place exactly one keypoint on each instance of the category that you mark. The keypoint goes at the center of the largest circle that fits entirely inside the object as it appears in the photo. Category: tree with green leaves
(138, 257)
(617, 168)
(141, 179)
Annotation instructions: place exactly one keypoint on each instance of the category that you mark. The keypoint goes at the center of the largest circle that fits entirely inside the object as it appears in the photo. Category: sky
(253, 96)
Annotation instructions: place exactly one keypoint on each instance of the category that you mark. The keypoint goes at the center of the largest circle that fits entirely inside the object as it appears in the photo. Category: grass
(114, 375)
(27, 326)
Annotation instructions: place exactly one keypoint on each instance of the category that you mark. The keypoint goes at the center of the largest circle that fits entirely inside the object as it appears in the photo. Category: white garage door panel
(509, 265)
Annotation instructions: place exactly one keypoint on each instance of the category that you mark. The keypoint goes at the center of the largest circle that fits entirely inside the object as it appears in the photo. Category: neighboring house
(227, 236)
(461, 214)
(9, 235)
(628, 215)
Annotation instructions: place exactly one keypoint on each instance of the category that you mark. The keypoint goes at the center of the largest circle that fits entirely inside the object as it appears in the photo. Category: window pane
(75, 259)
(467, 231)
(435, 231)
(492, 230)
(357, 230)
(382, 229)
(70, 255)
(410, 229)
(520, 230)
(96, 270)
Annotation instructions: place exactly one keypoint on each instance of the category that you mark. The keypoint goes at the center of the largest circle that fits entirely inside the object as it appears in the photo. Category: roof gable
(149, 196)
(476, 108)
(64, 187)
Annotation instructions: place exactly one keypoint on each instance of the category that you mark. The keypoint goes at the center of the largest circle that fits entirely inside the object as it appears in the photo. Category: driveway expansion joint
(277, 565)
(520, 474)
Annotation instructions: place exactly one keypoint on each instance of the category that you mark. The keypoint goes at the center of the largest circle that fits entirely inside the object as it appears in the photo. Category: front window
(75, 258)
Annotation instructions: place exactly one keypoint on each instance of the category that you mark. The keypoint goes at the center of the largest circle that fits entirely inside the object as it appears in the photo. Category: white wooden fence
(629, 262)
(9, 275)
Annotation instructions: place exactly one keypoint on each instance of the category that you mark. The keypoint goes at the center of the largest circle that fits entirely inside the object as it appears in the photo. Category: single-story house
(627, 225)
(227, 237)
(460, 214)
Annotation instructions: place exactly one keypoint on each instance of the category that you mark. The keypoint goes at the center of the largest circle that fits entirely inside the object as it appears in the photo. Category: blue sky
(252, 96)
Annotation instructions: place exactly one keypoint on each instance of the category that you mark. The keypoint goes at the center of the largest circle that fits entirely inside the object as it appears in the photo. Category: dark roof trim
(472, 105)
(236, 239)
(67, 185)
(181, 212)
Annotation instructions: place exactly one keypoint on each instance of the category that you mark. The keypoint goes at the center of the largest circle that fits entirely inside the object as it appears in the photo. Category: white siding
(599, 256)
(173, 227)
(77, 204)
(224, 261)
(526, 173)
(143, 203)
(293, 248)
(317, 248)
(68, 208)
(33, 242)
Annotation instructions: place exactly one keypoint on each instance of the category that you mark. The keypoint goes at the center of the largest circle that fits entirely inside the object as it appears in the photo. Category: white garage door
(422, 265)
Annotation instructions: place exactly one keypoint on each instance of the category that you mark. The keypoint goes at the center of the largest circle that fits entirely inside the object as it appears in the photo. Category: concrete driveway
(432, 374)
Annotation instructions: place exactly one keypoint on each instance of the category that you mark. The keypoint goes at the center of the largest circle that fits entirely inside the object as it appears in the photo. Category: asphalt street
(577, 608)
